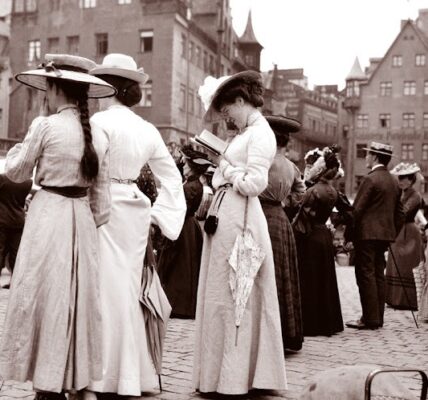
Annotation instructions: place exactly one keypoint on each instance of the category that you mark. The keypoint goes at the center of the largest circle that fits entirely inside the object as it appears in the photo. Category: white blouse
(135, 142)
(248, 158)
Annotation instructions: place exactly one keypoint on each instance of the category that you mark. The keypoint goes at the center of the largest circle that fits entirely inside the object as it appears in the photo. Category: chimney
(422, 21)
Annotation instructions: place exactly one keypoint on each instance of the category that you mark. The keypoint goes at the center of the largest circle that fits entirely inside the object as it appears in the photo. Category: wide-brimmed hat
(380, 148)
(404, 168)
(223, 84)
(122, 65)
(195, 157)
(283, 125)
(70, 68)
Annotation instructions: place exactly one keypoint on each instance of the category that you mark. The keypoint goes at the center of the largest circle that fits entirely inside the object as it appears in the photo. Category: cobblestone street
(398, 344)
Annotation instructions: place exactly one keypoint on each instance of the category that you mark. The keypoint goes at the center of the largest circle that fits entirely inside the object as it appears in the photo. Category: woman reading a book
(223, 362)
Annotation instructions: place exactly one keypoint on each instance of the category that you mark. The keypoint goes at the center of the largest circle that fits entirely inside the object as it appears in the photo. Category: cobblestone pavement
(398, 345)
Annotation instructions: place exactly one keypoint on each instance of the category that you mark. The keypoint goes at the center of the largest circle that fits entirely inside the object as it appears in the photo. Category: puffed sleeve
(99, 192)
(253, 179)
(169, 209)
(22, 158)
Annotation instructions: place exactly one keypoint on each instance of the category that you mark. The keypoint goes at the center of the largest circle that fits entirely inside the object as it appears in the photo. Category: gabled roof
(356, 72)
(417, 31)
(248, 36)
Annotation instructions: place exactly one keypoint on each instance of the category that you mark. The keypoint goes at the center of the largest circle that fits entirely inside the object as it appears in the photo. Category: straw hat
(69, 68)
(380, 148)
(282, 125)
(121, 65)
(405, 169)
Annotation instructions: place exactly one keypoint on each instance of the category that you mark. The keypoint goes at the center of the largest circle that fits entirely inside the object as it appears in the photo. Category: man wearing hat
(378, 217)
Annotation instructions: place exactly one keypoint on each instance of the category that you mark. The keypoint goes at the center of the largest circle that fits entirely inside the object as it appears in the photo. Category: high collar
(253, 117)
(113, 106)
(66, 107)
(378, 167)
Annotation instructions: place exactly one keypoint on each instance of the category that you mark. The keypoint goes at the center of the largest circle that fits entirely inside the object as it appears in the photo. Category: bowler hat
(122, 65)
(69, 68)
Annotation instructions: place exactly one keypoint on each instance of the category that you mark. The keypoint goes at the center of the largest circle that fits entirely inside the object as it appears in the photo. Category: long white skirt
(127, 365)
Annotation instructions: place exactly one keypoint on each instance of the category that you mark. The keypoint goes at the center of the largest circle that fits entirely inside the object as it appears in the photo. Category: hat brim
(37, 79)
(409, 171)
(140, 77)
(283, 125)
(211, 114)
(378, 151)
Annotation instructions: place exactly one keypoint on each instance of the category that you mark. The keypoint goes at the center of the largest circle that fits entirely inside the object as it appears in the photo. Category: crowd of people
(239, 239)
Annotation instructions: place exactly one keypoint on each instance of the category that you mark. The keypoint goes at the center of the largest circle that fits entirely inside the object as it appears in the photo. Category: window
(72, 44)
(101, 43)
(425, 120)
(31, 5)
(409, 88)
(53, 45)
(385, 88)
(33, 51)
(124, 1)
(212, 65)
(191, 51)
(425, 152)
(362, 121)
(361, 153)
(424, 185)
(407, 151)
(206, 62)
(426, 87)
(19, 6)
(198, 58)
(54, 5)
(408, 120)
(146, 94)
(385, 120)
(352, 89)
(191, 102)
(182, 97)
(397, 61)
(420, 60)
(146, 41)
(249, 60)
(183, 46)
(88, 3)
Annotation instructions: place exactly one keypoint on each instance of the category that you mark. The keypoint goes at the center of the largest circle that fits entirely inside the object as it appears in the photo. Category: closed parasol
(245, 259)
(156, 310)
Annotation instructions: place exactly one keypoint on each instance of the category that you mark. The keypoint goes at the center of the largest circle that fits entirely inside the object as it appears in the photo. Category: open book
(211, 142)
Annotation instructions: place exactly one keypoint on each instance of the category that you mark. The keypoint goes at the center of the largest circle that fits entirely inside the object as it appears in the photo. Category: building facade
(5, 73)
(388, 102)
(177, 42)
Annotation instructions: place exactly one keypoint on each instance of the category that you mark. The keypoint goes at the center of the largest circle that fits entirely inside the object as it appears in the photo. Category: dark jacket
(378, 211)
(12, 202)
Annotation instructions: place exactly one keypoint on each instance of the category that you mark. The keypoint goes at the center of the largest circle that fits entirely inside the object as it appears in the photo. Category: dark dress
(179, 260)
(408, 253)
(284, 178)
(318, 284)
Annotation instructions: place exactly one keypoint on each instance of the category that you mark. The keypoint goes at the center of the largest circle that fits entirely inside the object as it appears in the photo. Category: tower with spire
(249, 46)
(353, 81)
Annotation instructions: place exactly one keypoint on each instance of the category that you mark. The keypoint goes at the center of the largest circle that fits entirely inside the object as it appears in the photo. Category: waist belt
(73, 192)
(123, 181)
(270, 202)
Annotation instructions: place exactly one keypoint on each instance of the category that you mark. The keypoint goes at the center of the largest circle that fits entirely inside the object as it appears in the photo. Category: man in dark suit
(12, 215)
(378, 217)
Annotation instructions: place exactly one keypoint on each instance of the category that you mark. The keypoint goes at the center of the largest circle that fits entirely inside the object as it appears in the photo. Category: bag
(211, 222)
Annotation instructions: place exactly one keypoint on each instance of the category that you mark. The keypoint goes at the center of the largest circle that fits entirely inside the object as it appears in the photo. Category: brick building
(176, 41)
(388, 102)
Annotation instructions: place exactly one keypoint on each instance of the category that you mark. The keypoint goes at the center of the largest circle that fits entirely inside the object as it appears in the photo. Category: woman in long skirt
(226, 359)
(407, 251)
(52, 331)
(179, 260)
(321, 310)
(284, 178)
(128, 368)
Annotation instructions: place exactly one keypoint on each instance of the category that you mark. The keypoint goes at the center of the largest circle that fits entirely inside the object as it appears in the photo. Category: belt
(270, 202)
(123, 181)
(73, 192)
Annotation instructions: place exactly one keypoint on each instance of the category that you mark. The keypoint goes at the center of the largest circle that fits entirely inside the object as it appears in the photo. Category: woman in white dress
(127, 366)
(52, 331)
(256, 359)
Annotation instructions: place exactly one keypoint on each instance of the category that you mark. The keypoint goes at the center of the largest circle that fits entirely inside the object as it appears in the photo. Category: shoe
(358, 324)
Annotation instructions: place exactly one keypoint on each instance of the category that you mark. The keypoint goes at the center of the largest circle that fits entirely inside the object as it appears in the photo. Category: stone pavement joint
(398, 345)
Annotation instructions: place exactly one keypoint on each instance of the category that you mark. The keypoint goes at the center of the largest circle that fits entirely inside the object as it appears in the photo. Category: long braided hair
(78, 92)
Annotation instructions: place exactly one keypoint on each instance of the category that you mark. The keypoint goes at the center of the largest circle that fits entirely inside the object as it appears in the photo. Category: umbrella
(245, 259)
(156, 310)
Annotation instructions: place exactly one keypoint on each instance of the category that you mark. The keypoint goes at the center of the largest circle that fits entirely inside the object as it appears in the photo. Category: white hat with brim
(405, 169)
(380, 148)
(37, 79)
(122, 65)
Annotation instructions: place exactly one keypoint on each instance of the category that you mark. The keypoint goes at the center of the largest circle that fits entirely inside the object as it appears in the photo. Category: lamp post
(220, 31)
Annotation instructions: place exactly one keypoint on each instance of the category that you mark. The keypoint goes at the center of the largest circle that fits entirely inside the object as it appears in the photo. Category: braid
(89, 163)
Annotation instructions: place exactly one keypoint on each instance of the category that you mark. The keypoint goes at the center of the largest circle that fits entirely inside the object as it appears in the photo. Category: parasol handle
(246, 214)
(236, 336)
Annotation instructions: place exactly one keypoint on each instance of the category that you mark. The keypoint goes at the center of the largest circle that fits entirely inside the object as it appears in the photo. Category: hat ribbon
(50, 67)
